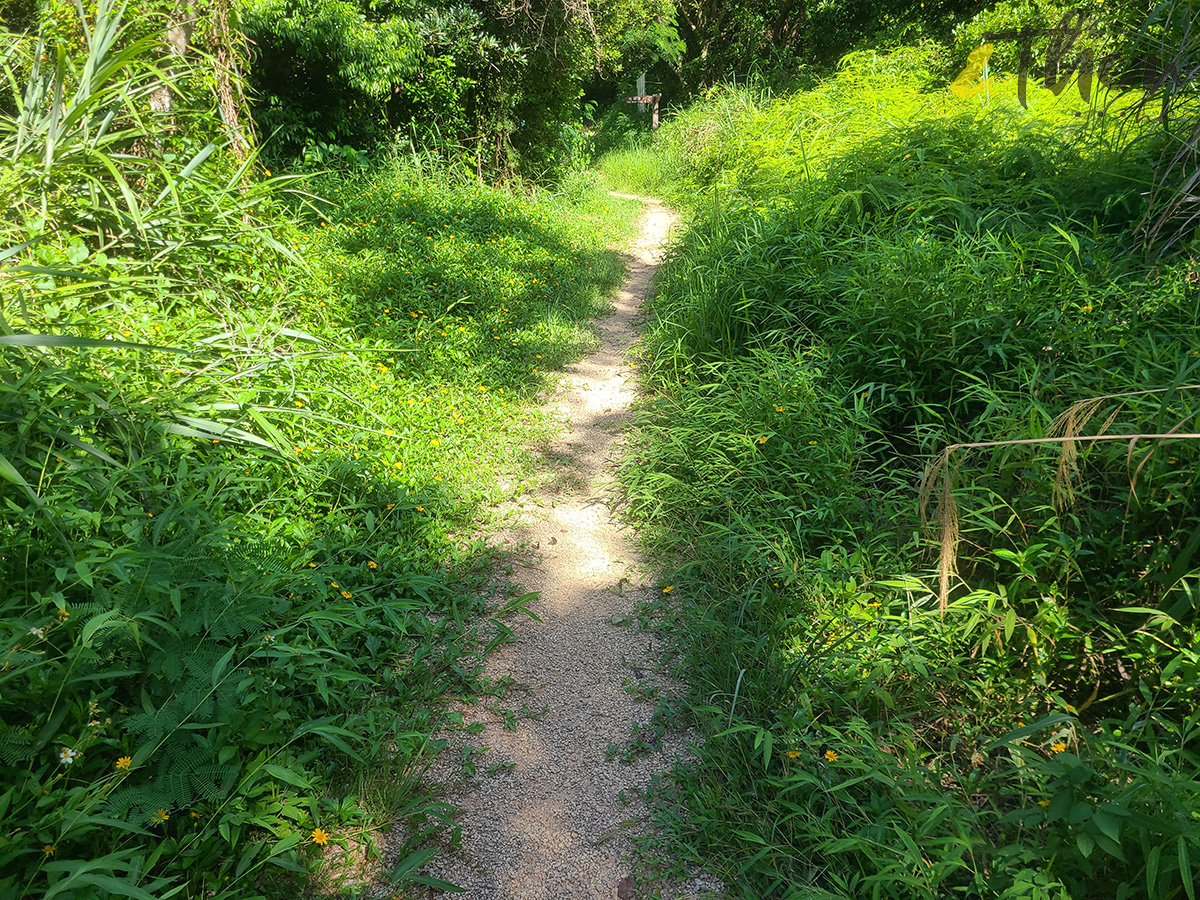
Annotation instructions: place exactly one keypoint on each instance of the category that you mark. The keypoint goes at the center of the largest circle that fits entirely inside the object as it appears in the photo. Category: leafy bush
(482, 87)
(935, 273)
(323, 72)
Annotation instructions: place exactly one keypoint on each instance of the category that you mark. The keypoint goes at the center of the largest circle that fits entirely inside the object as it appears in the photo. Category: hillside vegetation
(918, 449)
(251, 423)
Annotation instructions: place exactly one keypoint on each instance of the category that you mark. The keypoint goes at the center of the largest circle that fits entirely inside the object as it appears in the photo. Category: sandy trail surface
(546, 814)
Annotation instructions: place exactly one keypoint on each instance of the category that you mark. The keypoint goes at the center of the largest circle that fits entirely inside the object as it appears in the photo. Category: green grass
(458, 300)
(875, 271)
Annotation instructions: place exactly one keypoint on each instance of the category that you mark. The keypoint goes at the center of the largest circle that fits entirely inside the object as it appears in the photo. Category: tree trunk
(228, 48)
(179, 32)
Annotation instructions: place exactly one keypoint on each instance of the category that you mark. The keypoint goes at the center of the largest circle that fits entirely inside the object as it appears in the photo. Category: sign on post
(652, 99)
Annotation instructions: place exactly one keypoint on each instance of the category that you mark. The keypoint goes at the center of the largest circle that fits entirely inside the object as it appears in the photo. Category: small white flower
(67, 756)
(38, 632)
(269, 639)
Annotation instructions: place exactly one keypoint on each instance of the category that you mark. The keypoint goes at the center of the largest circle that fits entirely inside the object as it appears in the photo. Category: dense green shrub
(479, 84)
(324, 72)
(942, 272)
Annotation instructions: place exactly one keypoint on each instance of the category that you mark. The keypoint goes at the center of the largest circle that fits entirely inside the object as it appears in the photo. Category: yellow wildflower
(320, 836)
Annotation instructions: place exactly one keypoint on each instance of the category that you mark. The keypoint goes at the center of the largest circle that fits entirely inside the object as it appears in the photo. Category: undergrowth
(876, 270)
(249, 427)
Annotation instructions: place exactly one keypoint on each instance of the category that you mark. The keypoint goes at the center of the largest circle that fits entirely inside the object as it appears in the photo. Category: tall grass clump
(991, 692)
(246, 435)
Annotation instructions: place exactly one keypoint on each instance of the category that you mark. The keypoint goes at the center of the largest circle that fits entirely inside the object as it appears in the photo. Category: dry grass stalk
(947, 518)
(1064, 430)
(1068, 426)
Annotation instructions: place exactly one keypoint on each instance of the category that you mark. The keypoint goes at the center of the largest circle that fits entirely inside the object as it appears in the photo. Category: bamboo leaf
(79, 343)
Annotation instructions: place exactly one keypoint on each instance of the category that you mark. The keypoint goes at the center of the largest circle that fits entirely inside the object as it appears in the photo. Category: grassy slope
(270, 635)
(458, 300)
(872, 272)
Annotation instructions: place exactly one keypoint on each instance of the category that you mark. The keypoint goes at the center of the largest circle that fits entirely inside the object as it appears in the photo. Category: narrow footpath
(543, 818)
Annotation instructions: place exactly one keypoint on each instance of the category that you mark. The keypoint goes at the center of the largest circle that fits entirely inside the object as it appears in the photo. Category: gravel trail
(542, 819)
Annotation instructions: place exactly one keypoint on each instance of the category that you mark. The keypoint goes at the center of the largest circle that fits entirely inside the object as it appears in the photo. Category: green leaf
(1060, 805)
(1080, 813)
(248, 857)
(750, 836)
(413, 861)
(332, 733)
(1109, 846)
(219, 668)
(404, 872)
(187, 172)
(207, 429)
(430, 881)
(288, 776)
(67, 340)
(905, 584)
(1026, 731)
(9, 473)
(285, 845)
(1185, 868)
(1086, 843)
(1108, 825)
(107, 619)
(95, 873)
(1152, 863)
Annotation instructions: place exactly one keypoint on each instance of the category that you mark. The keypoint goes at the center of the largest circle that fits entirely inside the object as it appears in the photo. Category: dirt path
(548, 824)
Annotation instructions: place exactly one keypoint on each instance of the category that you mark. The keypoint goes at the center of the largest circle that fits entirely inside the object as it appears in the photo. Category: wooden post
(641, 100)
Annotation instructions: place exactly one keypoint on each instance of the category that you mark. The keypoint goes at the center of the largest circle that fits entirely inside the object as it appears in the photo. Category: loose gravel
(548, 814)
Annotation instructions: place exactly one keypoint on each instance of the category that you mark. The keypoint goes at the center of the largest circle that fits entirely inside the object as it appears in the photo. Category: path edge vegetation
(252, 423)
(916, 454)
